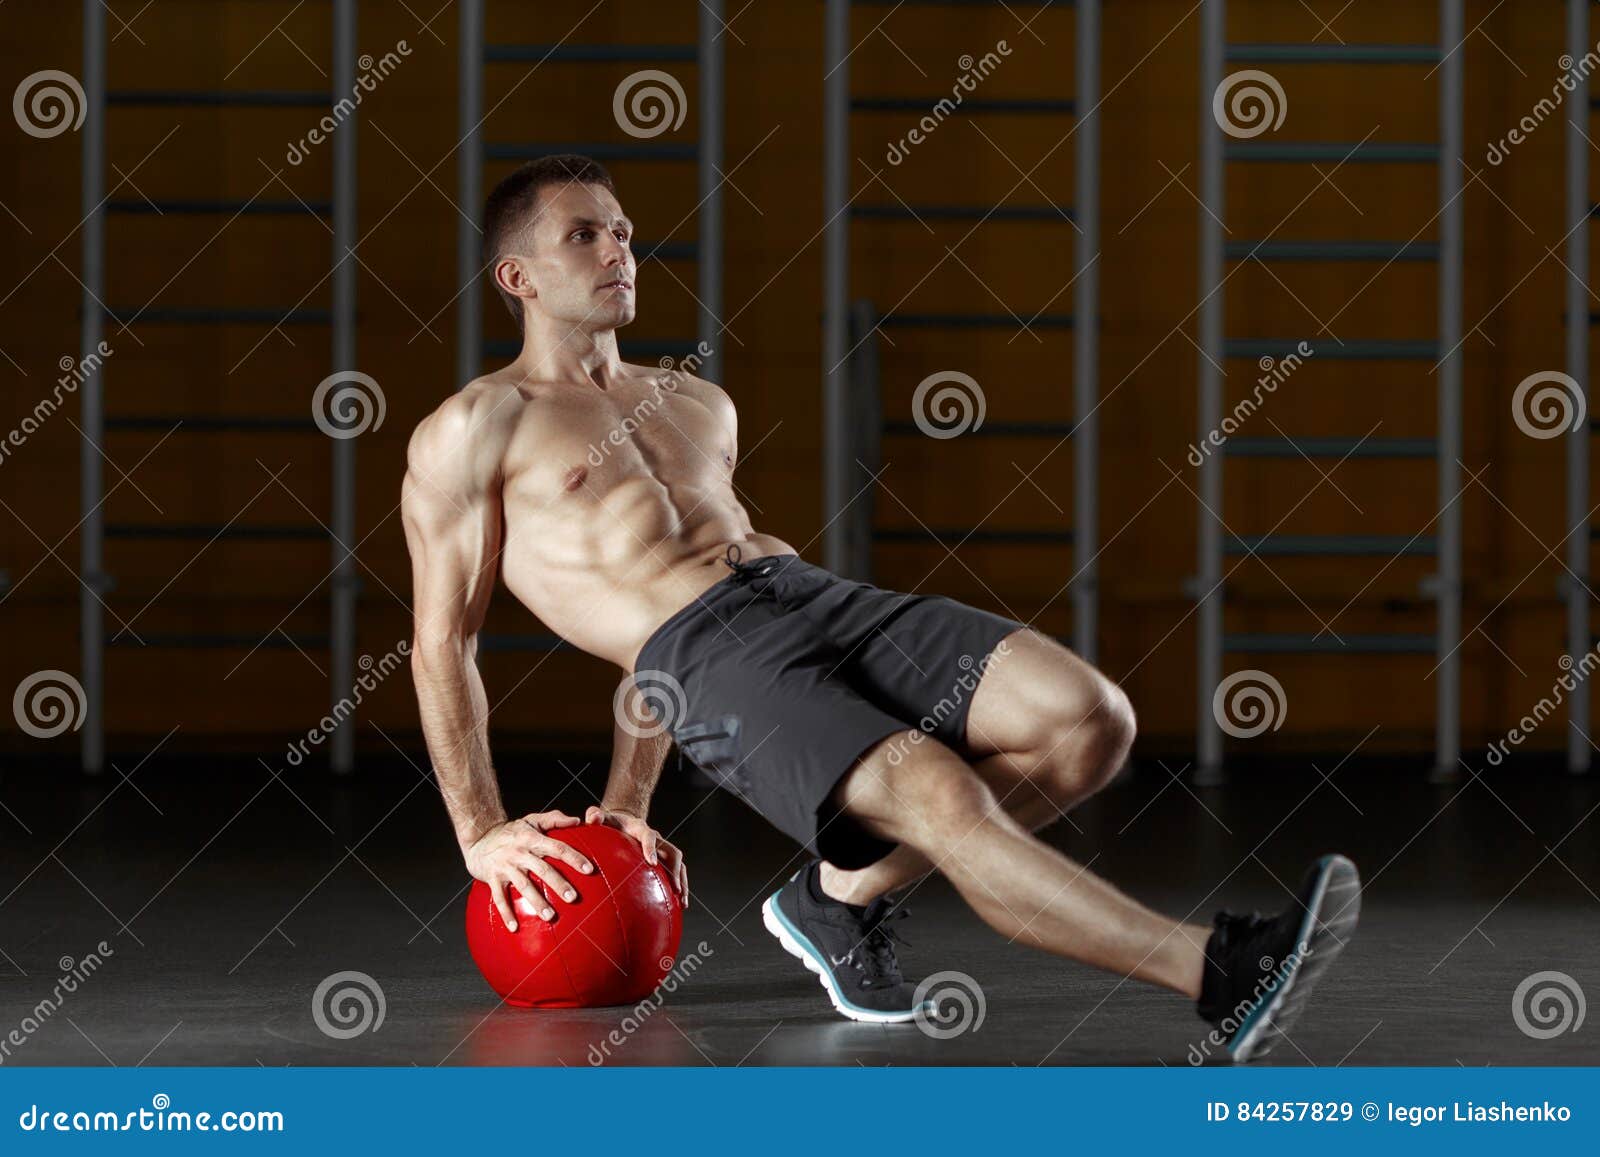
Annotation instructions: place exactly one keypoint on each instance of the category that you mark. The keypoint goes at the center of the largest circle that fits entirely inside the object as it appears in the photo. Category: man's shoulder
(481, 413)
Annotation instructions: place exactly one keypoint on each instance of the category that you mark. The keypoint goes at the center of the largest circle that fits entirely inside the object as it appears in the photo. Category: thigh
(921, 657)
(1033, 694)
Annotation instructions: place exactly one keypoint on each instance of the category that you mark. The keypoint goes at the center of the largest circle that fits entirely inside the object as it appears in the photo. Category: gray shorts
(789, 673)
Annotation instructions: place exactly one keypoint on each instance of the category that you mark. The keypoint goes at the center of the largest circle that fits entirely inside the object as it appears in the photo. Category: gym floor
(227, 895)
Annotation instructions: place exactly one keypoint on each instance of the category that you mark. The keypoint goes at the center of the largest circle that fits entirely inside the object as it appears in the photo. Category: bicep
(453, 527)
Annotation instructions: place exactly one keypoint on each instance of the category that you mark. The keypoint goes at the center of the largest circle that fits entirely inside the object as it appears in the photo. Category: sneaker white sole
(1327, 925)
(779, 928)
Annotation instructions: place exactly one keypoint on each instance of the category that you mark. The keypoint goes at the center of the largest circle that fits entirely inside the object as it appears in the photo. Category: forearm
(455, 724)
(636, 764)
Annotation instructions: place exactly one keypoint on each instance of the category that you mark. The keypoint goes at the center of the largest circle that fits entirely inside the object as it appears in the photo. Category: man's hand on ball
(515, 854)
(657, 848)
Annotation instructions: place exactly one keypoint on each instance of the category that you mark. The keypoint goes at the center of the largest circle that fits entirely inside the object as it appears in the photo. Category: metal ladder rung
(1330, 448)
(976, 105)
(185, 423)
(1371, 152)
(244, 208)
(965, 212)
(599, 150)
(1396, 351)
(974, 321)
(1321, 545)
(210, 531)
(994, 429)
(1333, 53)
(1332, 250)
(236, 98)
(627, 53)
(197, 315)
(964, 3)
(1269, 644)
(639, 349)
(223, 642)
(976, 535)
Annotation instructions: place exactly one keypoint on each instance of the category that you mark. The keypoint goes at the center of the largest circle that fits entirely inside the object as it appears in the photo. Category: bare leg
(1045, 731)
(1024, 889)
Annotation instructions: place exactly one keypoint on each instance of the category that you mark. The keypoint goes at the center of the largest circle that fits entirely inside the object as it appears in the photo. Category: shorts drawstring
(744, 570)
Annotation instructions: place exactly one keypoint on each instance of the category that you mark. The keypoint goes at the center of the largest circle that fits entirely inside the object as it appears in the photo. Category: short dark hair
(516, 198)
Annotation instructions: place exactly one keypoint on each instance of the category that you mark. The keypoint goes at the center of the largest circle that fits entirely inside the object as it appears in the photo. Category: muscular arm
(636, 764)
(450, 505)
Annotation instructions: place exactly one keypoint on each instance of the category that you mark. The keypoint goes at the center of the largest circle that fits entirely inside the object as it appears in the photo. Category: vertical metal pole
(1086, 339)
(1209, 579)
(92, 639)
(342, 632)
(1450, 271)
(469, 192)
(1576, 583)
(836, 288)
(710, 246)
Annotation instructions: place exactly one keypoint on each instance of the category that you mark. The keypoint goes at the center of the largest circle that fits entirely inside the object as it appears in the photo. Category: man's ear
(511, 275)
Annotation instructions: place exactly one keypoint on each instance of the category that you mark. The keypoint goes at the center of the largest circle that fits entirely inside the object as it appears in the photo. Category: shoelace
(875, 957)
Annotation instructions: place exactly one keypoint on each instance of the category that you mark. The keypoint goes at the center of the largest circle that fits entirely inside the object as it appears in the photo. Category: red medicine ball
(613, 945)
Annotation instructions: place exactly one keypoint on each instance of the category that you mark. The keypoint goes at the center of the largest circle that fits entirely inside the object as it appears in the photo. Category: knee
(1090, 743)
(931, 799)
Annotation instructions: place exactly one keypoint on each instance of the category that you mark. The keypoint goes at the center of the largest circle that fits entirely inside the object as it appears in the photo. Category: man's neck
(560, 353)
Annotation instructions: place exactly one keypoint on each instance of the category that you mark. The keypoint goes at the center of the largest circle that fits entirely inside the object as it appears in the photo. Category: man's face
(579, 264)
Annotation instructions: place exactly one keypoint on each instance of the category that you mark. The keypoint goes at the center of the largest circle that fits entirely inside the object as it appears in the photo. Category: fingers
(502, 903)
(594, 815)
(566, 853)
(544, 821)
(553, 879)
(647, 840)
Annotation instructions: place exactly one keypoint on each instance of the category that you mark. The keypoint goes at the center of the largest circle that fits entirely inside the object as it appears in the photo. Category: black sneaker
(1259, 970)
(852, 955)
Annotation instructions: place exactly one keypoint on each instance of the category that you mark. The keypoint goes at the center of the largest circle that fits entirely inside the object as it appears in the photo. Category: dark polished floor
(227, 895)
